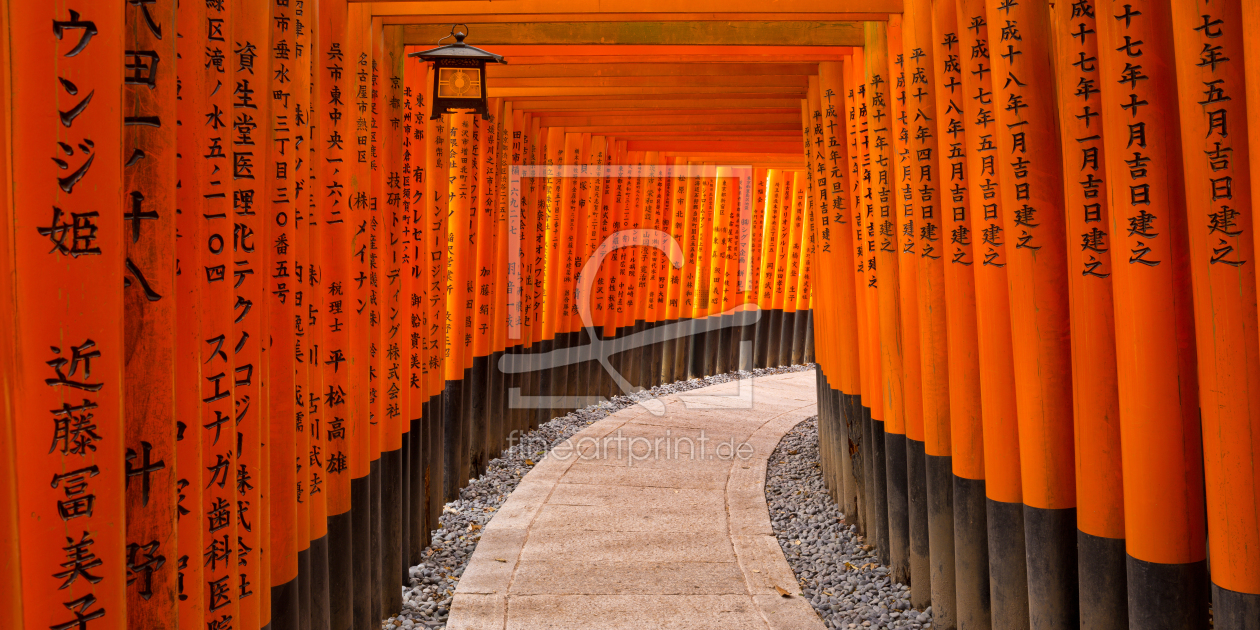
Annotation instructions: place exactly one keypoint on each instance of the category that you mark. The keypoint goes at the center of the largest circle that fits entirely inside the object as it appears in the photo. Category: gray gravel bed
(837, 571)
(427, 600)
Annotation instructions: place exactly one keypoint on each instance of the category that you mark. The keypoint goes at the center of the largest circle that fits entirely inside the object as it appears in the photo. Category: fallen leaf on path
(782, 591)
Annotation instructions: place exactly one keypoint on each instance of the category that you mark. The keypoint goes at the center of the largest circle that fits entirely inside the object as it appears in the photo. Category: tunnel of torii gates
(260, 300)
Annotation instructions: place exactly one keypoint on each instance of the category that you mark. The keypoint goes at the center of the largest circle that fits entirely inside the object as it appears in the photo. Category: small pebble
(818, 543)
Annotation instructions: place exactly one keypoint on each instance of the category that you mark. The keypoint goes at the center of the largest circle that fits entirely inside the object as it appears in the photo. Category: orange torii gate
(1014, 238)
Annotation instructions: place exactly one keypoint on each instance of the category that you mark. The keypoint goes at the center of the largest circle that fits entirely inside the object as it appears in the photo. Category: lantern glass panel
(459, 83)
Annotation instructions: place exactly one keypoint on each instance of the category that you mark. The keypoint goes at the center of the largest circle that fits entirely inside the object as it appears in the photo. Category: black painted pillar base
(478, 394)
(1169, 596)
(304, 589)
(786, 331)
(939, 473)
(1008, 565)
(392, 499)
(1053, 590)
(321, 610)
(920, 548)
(452, 416)
(1232, 610)
(340, 594)
(1103, 586)
(284, 605)
(879, 491)
(435, 467)
(774, 334)
(377, 534)
(897, 496)
(971, 555)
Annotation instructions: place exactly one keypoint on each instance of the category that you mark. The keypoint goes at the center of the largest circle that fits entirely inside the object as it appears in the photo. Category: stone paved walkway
(648, 521)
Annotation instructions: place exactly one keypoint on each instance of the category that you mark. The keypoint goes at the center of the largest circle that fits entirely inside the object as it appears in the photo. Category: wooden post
(282, 434)
(250, 110)
(837, 220)
(335, 229)
(435, 202)
(149, 333)
(219, 360)
(971, 547)
(189, 247)
(66, 368)
(1155, 356)
(11, 607)
(1034, 221)
(854, 77)
(908, 273)
(308, 304)
(1007, 566)
(925, 206)
(458, 269)
(880, 112)
(1099, 493)
(1222, 261)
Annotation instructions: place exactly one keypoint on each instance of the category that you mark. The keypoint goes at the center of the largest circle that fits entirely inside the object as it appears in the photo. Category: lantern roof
(458, 50)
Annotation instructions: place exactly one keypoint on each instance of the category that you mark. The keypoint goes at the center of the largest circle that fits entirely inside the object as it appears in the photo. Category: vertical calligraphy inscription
(67, 233)
(148, 202)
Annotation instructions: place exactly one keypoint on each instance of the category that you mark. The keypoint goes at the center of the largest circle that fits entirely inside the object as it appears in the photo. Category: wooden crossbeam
(630, 7)
(516, 70)
(705, 33)
(793, 82)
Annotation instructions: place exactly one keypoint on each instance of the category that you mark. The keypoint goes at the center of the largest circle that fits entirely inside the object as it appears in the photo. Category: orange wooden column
(769, 262)
(880, 83)
(971, 548)
(393, 299)
(282, 495)
(460, 259)
(1159, 424)
(149, 331)
(334, 358)
(791, 260)
(315, 310)
(837, 244)
(854, 77)
(483, 278)
(67, 365)
(1034, 220)
(312, 512)
(752, 288)
(433, 189)
(189, 247)
(908, 276)
(219, 361)
(868, 185)
(405, 141)
(923, 195)
(822, 332)
(792, 180)
(993, 243)
(679, 227)
(362, 432)
(250, 107)
(1214, 103)
(1099, 493)
(11, 611)
(507, 225)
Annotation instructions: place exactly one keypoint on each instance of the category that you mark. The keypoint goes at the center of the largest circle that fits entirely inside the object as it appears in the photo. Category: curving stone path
(648, 519)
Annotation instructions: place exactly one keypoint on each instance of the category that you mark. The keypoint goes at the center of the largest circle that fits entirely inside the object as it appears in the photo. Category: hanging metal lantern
(459, 75)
